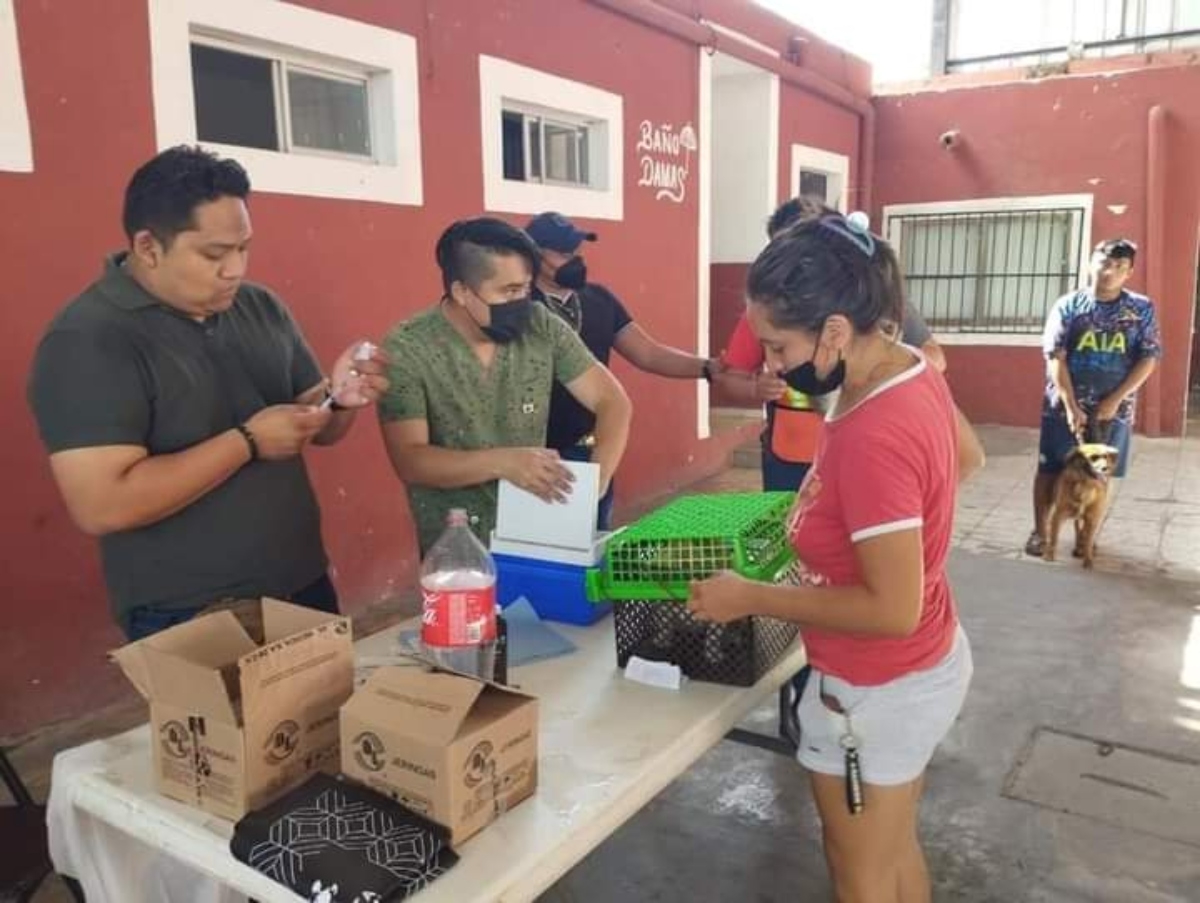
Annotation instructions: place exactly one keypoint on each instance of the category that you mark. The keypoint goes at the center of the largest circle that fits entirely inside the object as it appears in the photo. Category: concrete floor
(1113, 654)
(1099, 656)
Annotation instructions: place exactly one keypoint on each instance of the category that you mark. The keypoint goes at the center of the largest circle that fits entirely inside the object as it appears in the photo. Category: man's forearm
(738, 386)
(1134, 381)
(1061, 377)
(445, 468)
(158, 486)
(664, 360)
(612, 434)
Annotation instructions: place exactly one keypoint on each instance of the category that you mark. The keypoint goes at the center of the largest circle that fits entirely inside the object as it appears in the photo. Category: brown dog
(1081, 495)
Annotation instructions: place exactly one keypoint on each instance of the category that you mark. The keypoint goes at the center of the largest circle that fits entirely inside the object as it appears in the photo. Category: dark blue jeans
(146, 620)
(604, 509)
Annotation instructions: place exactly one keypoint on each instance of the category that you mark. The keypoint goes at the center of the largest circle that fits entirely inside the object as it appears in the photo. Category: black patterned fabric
(336, 842)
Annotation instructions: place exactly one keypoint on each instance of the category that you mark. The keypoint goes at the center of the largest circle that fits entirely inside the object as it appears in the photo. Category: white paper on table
(523, 517)
(654, 674)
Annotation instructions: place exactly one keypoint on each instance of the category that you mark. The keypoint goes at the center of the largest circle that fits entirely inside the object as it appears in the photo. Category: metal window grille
(1052, 32)
(995, 272)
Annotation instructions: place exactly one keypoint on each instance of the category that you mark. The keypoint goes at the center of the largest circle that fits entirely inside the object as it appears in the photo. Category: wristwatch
(706, 371)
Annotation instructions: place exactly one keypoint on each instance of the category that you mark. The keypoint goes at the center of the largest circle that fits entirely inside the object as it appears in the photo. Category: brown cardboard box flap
(211, 641)
(426, 706)
(299, 659)
(132, 663)
(188, 686)
(282, 619)
(248, 612)
(432, 665)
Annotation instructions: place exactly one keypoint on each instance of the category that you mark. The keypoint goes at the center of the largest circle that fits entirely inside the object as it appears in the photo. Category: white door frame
(704, 217)
(704, 237)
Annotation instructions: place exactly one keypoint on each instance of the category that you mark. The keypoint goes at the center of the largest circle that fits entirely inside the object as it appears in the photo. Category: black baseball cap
(1117, 249)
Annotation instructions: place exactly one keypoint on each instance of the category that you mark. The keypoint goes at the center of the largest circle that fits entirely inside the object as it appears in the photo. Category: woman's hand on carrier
(721, 598)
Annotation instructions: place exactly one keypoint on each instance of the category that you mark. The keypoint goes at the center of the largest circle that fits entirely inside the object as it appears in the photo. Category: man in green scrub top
(471, 380)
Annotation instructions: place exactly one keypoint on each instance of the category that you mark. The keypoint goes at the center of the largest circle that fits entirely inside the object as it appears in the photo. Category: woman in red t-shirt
(871, 526)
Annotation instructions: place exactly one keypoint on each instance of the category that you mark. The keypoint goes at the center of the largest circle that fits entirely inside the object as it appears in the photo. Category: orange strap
(794, 435)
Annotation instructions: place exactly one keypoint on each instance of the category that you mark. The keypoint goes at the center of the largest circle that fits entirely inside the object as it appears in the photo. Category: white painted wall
(16, 147)
(745, 150)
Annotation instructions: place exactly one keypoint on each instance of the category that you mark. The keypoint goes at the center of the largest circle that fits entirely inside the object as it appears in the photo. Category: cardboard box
(237, 721)
(453, 748)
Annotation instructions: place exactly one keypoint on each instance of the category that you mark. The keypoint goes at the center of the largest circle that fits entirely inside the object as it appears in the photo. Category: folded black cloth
(335, 842)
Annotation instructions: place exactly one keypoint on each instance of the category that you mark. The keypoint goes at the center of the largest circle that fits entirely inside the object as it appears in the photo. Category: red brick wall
(1067, 135)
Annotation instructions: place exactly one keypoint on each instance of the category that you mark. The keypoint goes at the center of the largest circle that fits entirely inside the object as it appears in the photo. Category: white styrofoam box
(523, 517)
(559, 555)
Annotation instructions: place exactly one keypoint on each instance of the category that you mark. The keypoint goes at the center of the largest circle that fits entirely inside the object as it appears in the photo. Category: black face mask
(804, 378)
(572, 274)
(508, 320)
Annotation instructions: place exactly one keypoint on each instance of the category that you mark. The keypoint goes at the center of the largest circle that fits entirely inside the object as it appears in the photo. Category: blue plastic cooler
(556, 591)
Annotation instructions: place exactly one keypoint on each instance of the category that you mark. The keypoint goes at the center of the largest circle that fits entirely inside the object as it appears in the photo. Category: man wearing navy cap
(603, 323)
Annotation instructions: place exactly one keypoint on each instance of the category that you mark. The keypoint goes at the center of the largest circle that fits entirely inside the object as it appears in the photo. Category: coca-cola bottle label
(458, 617)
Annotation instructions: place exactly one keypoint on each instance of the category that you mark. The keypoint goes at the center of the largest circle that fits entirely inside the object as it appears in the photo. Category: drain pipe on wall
(1156, 210)
(660, 18)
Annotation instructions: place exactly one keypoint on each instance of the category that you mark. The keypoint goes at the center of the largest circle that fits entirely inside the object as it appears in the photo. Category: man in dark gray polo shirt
(176, 401)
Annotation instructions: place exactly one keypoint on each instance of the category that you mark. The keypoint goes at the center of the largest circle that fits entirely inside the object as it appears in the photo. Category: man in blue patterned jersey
(1101, 344)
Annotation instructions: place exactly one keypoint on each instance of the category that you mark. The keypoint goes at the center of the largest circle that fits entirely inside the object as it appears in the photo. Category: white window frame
(306, 39)
(560, 118)
(504, 85)
(892, 229)
(285, 111)
(283, 64)
(16, 143)
(835, 167)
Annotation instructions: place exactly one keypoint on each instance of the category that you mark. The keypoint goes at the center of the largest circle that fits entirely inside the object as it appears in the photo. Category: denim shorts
(898, 725)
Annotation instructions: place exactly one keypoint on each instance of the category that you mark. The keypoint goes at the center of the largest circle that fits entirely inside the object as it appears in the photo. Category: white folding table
(607, 747)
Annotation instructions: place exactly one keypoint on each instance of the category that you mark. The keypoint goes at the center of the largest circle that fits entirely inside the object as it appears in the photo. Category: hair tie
(853, 228)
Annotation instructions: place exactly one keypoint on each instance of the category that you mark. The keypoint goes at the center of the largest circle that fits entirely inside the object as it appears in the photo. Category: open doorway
(743, 189)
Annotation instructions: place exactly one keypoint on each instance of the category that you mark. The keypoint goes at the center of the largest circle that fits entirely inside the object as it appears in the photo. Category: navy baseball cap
(555, 232)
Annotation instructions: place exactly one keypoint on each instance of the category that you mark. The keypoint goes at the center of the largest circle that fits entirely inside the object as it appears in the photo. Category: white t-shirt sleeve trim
(908, 523)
